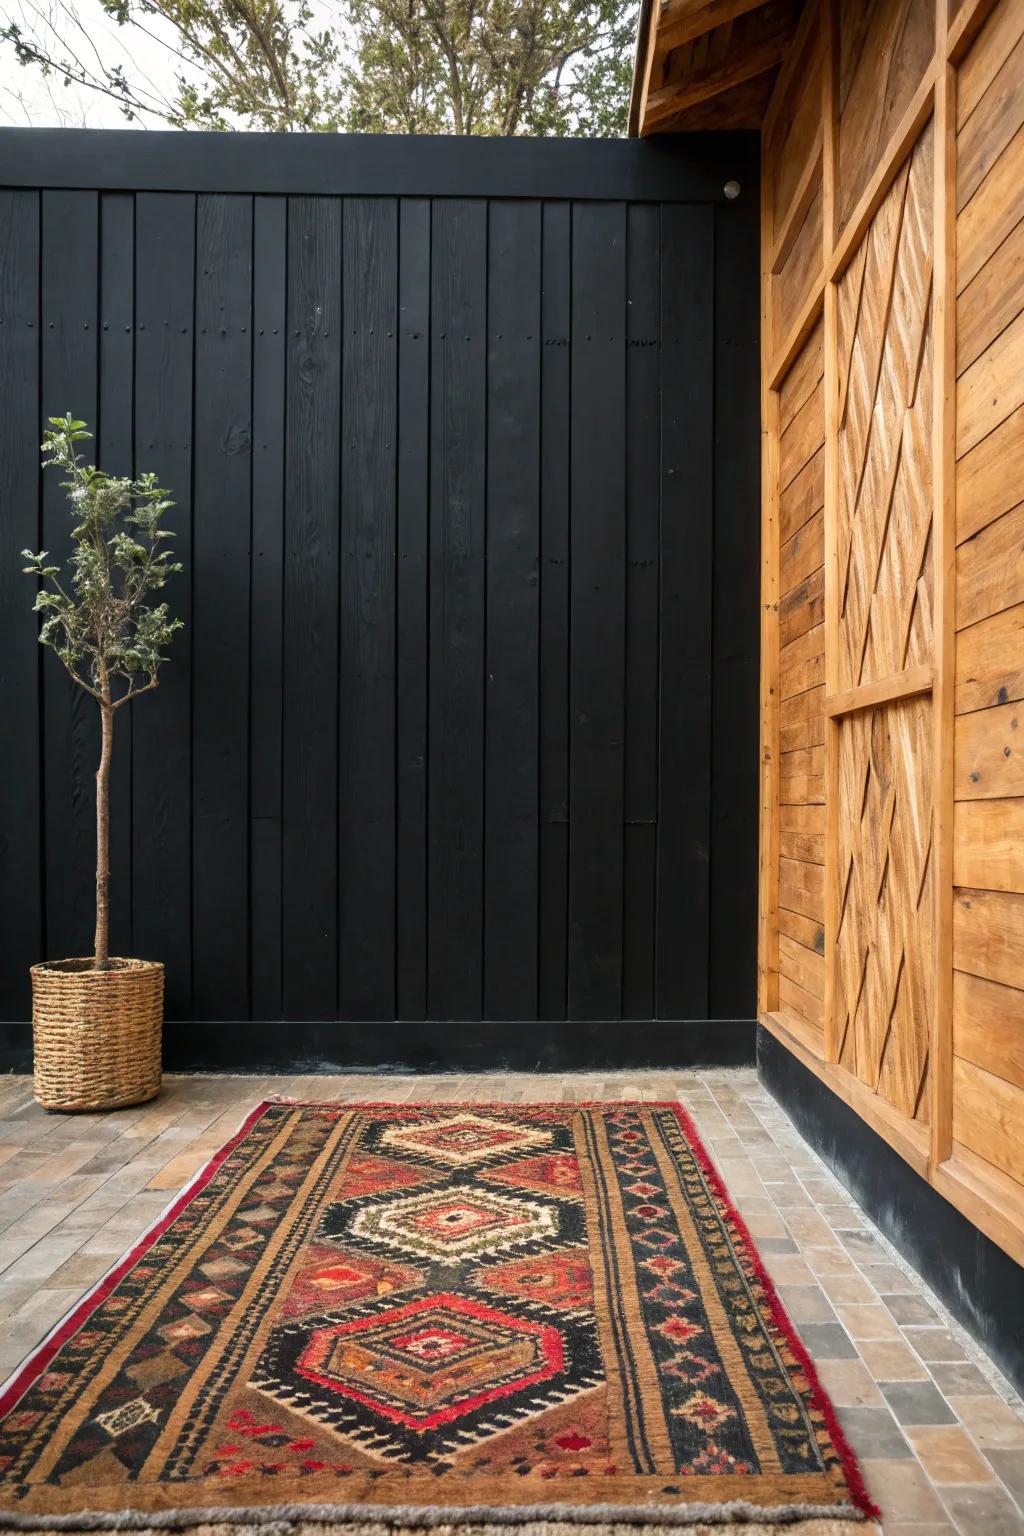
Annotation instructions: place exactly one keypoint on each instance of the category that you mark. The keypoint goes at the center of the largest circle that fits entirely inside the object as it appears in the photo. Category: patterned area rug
(429, 1315)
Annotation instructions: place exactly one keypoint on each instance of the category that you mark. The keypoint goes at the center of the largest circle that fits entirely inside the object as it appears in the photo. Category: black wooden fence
(462, 725)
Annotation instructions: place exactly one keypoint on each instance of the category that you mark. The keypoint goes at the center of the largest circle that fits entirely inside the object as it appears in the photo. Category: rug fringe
(480, 1520)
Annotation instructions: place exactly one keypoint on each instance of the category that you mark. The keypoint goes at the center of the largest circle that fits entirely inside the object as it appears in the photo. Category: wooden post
(829, 226)
(944, 555)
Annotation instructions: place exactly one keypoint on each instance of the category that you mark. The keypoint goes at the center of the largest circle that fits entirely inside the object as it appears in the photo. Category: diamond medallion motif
(415, 1379)
(455, 1223)
(463, 1140)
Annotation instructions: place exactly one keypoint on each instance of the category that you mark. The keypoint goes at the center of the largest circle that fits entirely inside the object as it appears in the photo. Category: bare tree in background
(551, 67)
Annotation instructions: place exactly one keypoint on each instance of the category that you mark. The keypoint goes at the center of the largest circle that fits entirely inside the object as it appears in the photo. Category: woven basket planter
(96, 1034)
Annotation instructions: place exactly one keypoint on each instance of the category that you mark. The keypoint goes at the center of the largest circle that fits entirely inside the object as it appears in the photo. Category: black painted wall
(463, 722)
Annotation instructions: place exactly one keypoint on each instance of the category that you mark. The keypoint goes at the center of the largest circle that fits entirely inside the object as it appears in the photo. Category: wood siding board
(555, 384)
(987, 1117)
(990, 478)
(986, 57)
(988, 937)
(991, 126)
(71, 735)
(733, 901)
(269, 328)
(115, 454)
(989, 760)
(312, 485)
(21, 816)
(457, 618)
(161, 730)
(511, 797)
(990, 569)
(687, 434)
(639, 919)
(366, 721)
(643, 508)
(996, 208)
(992, 301)
(413, 606)
(597, 611)
(990, 661)
(988, 840)
(220, 605)
(991, 388)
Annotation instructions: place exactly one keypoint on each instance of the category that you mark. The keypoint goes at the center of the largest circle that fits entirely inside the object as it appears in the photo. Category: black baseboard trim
(414, 1046)
(979, 1283)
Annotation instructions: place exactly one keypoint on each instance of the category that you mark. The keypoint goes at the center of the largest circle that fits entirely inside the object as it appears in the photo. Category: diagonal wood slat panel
(885, 933)
(885, 486)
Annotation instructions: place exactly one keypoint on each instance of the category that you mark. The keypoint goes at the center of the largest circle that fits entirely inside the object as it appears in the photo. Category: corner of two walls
(892, 796)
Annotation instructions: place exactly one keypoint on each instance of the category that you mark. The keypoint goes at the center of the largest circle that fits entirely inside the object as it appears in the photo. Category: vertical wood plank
(940, 1049)
(269, 320)
(71, 737)
(220, 605)
(643, 509)
(310, 765)
(21, 897)
(597, 610)
(413, 514)
(687, 435)
(768, 744)
(457, 546)
(829, 14)
(511, 763)
(732, 936)
(366, 745)
(555, 381)
(161, 730)
(115, 454)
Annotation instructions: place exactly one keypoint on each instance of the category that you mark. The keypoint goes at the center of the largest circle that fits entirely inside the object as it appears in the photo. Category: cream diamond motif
(450, 1225)
(462, 1140)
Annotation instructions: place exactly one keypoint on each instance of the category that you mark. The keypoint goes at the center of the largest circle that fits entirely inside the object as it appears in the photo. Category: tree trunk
(101, 957)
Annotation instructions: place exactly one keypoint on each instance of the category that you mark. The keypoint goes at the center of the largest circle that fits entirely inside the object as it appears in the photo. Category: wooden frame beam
(882, 690)
(671, 100)
(683, 22)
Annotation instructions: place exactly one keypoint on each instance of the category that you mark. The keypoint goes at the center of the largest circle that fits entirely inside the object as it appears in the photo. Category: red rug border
(33, 1367)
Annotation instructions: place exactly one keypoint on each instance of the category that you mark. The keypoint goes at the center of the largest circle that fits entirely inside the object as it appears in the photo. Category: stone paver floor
(939, 1433)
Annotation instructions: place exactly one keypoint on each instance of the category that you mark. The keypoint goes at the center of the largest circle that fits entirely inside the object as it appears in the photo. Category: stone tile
(959, 1378)
(828, 1341)
(871, 1321)
(807, 1304)
(887, 1279)
(874, 1433)
(1009, 1465)
(901, 1492)
(892, 1360)
(849, 1383)
(776, 1245)
(847, 1287)
(991, 1422)
(935, 1344)
(949, 1456)
(918, 1402)
(911, 1311)
(983, 1511)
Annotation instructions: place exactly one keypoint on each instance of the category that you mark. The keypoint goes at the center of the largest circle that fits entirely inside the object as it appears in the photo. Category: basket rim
(77, 968)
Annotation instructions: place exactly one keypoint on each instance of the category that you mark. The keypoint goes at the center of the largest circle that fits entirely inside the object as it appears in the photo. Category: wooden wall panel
(893, 834)
(802, 651)
(885, 931)
(885, 490)
(988, 914)
(884, 51)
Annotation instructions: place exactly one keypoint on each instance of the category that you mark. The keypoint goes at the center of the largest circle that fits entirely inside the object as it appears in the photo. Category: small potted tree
(97, 1021)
